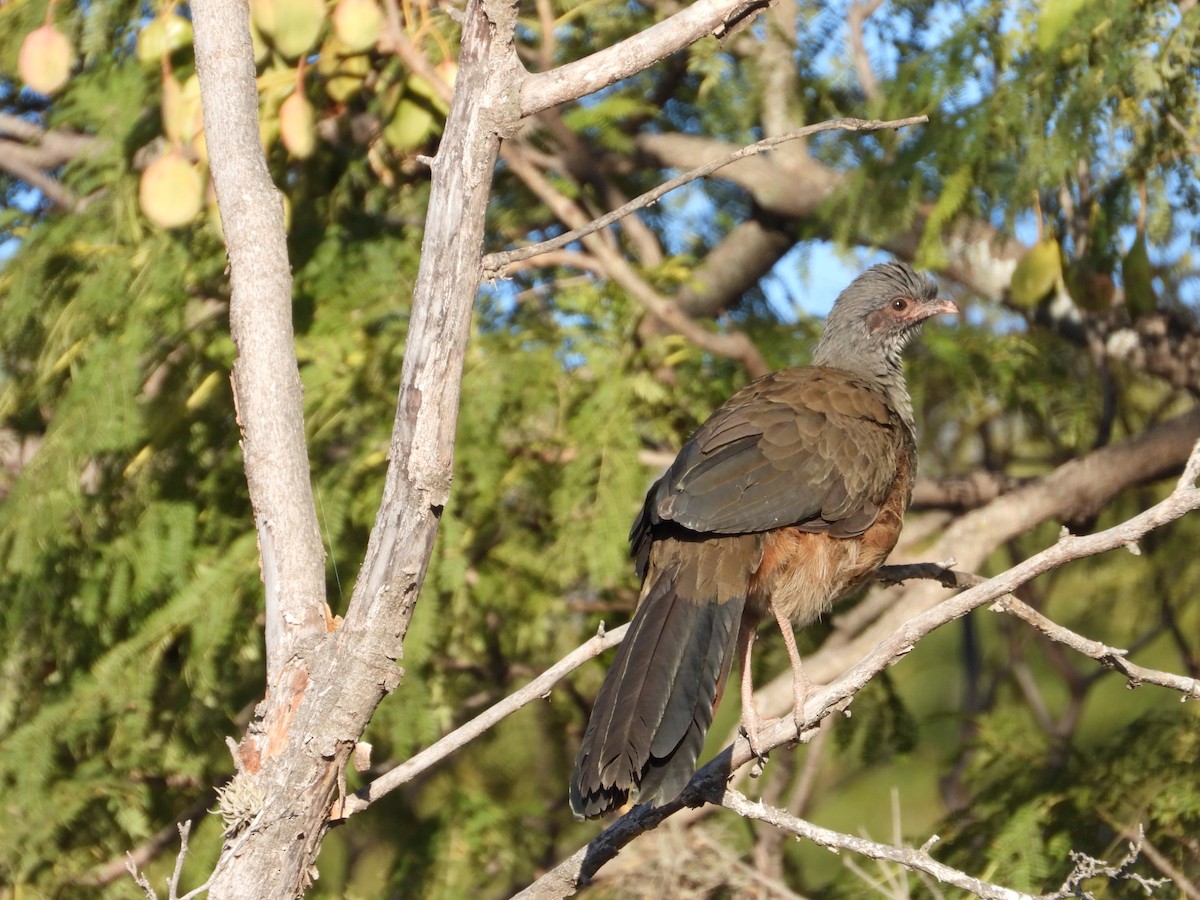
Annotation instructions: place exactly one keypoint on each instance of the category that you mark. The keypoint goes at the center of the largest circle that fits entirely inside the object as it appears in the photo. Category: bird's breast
(804, 573)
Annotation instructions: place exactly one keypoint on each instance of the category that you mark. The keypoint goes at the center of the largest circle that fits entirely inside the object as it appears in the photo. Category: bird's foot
(801, 688)
(751, 729)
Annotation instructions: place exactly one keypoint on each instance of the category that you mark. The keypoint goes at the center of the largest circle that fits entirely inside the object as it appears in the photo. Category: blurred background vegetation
(1054, 193)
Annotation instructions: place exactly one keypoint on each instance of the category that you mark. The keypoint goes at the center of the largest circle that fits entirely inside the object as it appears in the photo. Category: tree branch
(266, 378)
(735, 264)
(918, 860)
(15, 160)
(537, 689)
(1110, 657)
(29, 152)
(635, 53)
(308, 729)
(733, 345)
(494, 263)
(859, 13)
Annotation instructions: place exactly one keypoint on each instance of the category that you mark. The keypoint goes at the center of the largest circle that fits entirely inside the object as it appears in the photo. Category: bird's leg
(750, 720)
(801, 686)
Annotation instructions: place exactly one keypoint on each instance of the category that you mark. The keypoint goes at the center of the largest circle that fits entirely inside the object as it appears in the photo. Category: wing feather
(813, 446)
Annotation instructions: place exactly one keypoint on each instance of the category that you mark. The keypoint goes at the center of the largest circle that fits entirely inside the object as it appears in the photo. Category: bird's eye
(899, 304)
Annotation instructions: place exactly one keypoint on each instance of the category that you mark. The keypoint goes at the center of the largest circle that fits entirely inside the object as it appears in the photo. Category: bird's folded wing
(813, 447)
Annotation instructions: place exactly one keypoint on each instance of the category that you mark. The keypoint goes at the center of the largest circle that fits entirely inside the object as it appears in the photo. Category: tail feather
(652, 714)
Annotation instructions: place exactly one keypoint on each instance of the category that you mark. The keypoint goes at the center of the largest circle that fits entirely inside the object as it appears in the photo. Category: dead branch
(917, 859)
(537, 689)
(635, 53)
(494, 263)
(858, 15)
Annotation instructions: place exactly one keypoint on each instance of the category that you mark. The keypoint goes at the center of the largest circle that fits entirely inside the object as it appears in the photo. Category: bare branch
(1088, 867)
(1158, 859)
(159, 841)
(859, 13)
(1110, 657)
(15, 160)
(140, 879)
(735, 265)
(635, 53)
(395, 38)
(537, 689)
(495, 262)
(311, 724)
(916, 859)
(733, 345)
(266, 377)
(963, 492)
(30, 152)
(1193, 144)
(565, 258)
(773, 58)
(185, 828)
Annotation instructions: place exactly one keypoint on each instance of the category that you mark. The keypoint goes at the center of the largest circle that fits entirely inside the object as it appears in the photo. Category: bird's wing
(814, 447)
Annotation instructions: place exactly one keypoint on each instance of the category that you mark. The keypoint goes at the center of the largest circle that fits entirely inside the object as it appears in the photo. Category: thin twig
(140, 879)
(159, 841)
(494, 263)
(733, 344)
(185, 828)
(915, 859)
(537, 689)
(1111, 657)
(1158, 859)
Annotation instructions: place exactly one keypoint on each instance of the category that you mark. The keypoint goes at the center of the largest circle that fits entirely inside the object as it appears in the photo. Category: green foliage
(1029, 810)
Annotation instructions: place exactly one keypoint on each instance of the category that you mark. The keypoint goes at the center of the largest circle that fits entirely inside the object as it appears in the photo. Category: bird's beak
(942, 305)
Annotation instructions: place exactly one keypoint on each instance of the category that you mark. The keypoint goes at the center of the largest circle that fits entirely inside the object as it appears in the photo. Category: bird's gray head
(874, 317)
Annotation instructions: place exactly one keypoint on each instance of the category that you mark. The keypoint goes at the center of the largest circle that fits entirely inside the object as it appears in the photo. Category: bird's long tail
(656, 705)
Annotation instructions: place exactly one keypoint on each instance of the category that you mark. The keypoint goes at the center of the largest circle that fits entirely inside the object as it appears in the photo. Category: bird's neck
(884, 370)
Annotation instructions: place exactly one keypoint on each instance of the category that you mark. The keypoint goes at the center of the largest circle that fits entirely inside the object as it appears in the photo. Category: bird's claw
(751, 730)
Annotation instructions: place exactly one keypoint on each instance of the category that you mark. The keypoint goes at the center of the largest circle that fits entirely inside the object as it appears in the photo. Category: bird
(784, 501)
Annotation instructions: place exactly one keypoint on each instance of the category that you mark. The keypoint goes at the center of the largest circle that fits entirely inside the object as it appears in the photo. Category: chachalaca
(783, 502)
